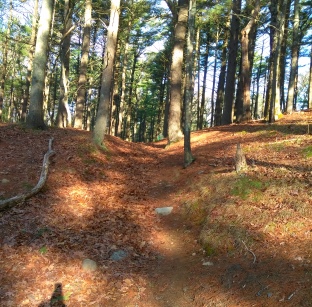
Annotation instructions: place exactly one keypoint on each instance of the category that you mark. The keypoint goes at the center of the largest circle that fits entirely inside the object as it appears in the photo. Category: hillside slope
(231, 239)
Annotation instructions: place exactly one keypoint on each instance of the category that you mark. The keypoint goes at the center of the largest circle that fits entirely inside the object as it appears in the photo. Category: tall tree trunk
(256, 106)
(174, 121)
(214, 81)
(278, 11)
(244, 108)
(284, 45)
(3, 74)
(166, 112)
(32, 42)
(200, 123)
(189, 84)
(232, 63)
(310, 82)
(82, 81)
(122, 106)
(130, 107)
(102, 117)
(221, 82)
(63, 118)
(35, 118)
(294, 60)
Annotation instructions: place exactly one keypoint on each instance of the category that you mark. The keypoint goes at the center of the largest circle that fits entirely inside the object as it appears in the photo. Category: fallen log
(8, 203)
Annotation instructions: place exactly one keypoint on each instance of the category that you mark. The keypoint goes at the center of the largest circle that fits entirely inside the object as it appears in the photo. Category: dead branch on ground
(8, 203)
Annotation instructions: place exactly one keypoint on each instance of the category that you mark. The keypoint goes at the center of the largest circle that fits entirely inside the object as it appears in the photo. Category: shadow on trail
(57, 298)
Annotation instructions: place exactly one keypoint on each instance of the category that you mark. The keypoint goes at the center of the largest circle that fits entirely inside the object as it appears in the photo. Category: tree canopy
(251, 61)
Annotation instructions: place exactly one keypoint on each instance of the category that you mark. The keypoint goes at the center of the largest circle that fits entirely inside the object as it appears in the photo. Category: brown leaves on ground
(232, 240)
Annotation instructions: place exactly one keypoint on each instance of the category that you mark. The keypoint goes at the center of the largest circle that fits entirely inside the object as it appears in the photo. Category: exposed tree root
(7, 203)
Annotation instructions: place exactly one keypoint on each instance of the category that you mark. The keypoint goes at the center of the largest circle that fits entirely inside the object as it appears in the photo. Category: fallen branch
(7, 203)
(255, 258)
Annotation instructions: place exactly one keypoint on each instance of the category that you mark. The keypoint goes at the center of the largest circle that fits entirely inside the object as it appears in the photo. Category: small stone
(208, 263)
(164, 210)
(118, 255)
(89, 265)
(5, 181)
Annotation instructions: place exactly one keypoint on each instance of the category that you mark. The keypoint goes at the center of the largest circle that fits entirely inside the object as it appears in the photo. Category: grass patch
(86, 149)
(307, 152)
(245, 186)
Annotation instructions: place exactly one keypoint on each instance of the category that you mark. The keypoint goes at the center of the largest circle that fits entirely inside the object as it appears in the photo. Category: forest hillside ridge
(232, 238)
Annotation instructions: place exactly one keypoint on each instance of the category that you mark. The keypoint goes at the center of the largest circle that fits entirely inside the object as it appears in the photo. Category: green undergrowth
(307, 151)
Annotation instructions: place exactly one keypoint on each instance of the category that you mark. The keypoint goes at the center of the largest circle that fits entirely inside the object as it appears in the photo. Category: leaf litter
(230, 240)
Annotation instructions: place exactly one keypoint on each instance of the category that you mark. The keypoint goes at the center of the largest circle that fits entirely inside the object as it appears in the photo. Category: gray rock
(5, 181)
(89, 265)
(118, 255)
(164, 210)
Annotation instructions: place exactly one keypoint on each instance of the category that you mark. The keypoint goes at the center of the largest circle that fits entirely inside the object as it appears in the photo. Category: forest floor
(231, 240)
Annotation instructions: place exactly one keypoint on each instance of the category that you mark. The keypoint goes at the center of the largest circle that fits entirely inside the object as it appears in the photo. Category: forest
(148, 70)
(91, 95)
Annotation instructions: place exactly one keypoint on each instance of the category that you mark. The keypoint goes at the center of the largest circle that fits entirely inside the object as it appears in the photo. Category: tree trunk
(294, 60)
(63, 118)
(32, 43)
(200, 122)
(278, 11)
(244, 108)
(310, 82)
(232, 63)
(189, 84)
(256, 106)
(102, 117)
(82, 81)
(221, 82)
(35, 118)
(176, 75)
(284, 45)
(214, 81)
(129, 112)
(5, 60)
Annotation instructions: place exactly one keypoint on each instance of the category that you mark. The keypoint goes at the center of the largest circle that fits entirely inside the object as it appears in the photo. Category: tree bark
(5, 60)
(189, 84)
(82, 81)
(278, 11)
(35, 118)
(284, 46)
(32, 43)
(244, 107)
(232, 63)
(310, 82)
(102, 117)
(294, 60)
(176, 75)
(221, 82)
(63, 118)
(201, 111)
(256, 114)
(214, 80)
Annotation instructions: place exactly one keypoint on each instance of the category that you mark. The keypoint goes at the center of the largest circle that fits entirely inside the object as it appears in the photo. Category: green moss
(307, 151)
(244, 186)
